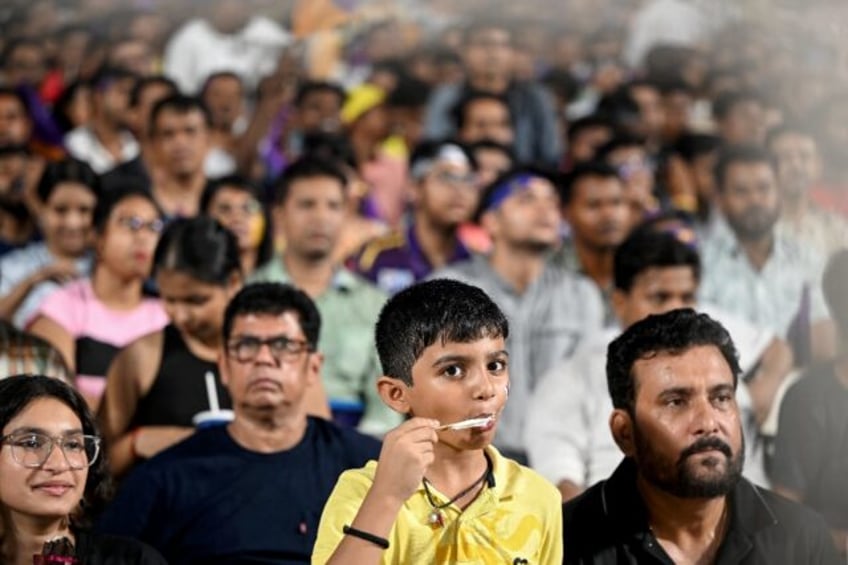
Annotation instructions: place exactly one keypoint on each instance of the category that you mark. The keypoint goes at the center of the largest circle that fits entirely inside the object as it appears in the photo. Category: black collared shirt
(608, 524)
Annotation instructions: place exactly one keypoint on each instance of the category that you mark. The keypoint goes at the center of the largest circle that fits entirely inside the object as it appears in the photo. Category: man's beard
(682, 478)
(754, 223)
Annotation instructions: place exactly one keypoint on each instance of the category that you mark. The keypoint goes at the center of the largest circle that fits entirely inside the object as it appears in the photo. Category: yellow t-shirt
(516, 520)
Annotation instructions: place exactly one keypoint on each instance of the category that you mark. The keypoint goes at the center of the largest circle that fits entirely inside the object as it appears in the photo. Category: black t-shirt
(208, 500)
(99, 549)
(811, 449)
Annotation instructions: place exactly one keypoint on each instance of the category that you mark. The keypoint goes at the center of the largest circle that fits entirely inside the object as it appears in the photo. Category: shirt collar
(343, 279)
(421, 266)
(625, 510)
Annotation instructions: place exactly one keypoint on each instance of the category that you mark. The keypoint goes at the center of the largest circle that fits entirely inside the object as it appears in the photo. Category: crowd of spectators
(587, 164)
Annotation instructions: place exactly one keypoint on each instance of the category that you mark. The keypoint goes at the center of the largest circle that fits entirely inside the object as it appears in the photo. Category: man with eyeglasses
(445, 196)
(251, 491)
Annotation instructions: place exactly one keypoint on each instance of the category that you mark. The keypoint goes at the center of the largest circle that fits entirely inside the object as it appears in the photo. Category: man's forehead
(666, 368)
(285, 320)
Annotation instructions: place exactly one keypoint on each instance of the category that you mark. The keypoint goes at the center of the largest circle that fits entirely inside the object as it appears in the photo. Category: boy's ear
(394, 393)
(621, 426)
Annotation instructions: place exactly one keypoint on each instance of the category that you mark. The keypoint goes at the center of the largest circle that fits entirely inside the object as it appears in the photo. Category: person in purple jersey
(444, 196)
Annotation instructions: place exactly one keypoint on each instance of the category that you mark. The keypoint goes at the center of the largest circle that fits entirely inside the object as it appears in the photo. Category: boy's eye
(452, 371)
(497, 366)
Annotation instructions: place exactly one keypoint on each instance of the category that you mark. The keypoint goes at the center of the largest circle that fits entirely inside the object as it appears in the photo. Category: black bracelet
(382, 542)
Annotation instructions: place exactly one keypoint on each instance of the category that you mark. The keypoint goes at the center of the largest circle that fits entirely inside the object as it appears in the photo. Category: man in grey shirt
(550, 310)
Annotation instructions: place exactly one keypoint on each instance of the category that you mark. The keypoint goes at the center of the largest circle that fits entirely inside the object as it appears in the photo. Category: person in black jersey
(250, 492)
(53, 474)
(157, 384)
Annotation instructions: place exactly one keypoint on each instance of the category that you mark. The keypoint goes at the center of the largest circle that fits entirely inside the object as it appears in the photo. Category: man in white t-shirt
(229, 40)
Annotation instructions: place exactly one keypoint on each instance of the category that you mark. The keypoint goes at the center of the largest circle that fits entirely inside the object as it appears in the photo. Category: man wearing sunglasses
(253, 490)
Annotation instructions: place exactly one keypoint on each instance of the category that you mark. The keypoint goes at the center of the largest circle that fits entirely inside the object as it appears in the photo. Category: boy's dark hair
(460, 110)
(581, 170)
(647, 248)
(180, 104)
(307, 167)
(109, 200)
(68, 170)
(273, 299)
(439, 310)
(312, 86)
(674, 333)
(746, 154)
(144, 82)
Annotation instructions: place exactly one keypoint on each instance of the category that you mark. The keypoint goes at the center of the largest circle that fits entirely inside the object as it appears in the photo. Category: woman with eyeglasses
(52, 475)
(91, 319)
(235, 203)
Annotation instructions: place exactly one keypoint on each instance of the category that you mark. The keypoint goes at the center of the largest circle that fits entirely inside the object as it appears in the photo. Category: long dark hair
(19, 391)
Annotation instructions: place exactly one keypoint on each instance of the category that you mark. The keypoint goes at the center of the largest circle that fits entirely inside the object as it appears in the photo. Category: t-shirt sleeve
(63, 308)
(340, 510)
(798, 453)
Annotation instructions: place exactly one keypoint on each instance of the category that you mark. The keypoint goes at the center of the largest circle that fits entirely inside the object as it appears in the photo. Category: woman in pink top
(89, 320)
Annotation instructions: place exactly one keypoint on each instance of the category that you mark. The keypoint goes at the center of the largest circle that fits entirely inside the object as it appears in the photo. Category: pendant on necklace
(435, 518)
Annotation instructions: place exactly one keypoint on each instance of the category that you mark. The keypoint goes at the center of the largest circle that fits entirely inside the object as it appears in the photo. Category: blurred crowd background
(722, 123)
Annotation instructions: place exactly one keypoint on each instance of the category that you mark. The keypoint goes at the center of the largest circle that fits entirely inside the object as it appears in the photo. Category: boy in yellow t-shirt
(440, 494)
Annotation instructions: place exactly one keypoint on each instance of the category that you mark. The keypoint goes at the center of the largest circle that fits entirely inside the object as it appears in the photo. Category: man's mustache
(706, 444)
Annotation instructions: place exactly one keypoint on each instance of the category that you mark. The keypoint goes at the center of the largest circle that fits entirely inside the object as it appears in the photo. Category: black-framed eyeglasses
(282, 348)
(136, 224)
(33, 449)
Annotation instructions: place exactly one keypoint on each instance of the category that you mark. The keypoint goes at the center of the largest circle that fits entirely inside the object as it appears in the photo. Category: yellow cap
(360, 100)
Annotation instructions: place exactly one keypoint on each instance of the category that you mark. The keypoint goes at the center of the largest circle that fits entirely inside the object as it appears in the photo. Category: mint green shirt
(349, 309)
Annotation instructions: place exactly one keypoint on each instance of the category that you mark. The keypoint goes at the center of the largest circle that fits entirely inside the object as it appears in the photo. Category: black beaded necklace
(436, 518)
